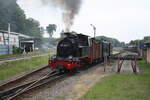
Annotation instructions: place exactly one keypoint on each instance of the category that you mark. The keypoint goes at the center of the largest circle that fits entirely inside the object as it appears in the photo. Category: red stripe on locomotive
(64, 64)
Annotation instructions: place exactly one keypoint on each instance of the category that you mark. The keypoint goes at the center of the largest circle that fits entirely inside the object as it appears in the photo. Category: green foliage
(113, 41)
(122, 87)
(136, 42)
(39, 52)
(33, 28)
(50, 29)
(146, 38)
(17, 50)
(10, 12)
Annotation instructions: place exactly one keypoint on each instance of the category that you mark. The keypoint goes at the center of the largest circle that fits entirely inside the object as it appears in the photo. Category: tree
(114, 42)
(50, 29)
(146, 38)
(33, 29)
(42, 30)
(10, 12)
(135, 42)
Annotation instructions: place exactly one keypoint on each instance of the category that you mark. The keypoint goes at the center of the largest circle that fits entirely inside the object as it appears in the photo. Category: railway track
(22, 81)
(16, 92)
(17, 87)
(12, 93)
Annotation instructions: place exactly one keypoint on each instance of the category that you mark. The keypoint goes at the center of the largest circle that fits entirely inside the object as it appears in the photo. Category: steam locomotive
(76, 50)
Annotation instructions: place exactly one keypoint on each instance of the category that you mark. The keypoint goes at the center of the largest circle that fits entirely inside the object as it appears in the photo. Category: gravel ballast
(70, 88)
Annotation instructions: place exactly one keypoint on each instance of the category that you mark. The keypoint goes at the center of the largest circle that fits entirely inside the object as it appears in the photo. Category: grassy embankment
(29, 54)
(122, 87)
(10, 69)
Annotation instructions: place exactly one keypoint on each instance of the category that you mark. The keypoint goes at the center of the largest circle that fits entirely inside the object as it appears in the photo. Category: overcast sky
(124, 20)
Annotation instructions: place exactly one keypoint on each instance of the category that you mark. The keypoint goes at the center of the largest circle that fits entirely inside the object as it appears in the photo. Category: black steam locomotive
(76, 50)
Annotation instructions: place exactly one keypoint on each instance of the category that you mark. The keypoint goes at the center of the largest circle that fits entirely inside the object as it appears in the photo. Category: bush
(17, 50)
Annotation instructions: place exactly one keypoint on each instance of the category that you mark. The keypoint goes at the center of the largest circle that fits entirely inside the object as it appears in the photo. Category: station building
(7, 41)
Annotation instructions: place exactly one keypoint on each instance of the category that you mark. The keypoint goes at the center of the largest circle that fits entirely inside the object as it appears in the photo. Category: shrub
(17, 50)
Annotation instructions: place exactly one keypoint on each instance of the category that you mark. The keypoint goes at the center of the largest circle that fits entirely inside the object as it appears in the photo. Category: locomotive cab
(74, 45)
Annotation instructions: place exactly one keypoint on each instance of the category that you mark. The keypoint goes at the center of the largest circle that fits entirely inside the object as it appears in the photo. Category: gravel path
(70, 88)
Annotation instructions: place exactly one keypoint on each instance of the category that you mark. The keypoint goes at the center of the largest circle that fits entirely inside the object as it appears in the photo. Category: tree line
(114, 42)
(10, 12)
(138, 41)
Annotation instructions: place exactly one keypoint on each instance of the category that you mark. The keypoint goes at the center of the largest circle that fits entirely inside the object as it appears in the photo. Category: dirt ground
(72, 87)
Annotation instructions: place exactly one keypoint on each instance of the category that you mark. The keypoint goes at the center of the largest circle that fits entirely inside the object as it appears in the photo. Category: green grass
(13, 68)
(42, 51)
(122, 87)
(29, 54)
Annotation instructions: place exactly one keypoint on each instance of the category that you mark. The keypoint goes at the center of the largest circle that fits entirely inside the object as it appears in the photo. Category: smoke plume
(70, 9)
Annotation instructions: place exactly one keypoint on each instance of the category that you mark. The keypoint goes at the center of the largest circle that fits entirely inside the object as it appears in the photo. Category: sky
(124, 20)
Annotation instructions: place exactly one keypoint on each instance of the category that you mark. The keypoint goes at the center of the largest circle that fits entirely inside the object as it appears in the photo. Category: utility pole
(8, 38)
(94, 28)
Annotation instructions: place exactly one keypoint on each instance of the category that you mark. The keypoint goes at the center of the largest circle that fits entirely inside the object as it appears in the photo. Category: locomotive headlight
(53, 57)
(70, 57)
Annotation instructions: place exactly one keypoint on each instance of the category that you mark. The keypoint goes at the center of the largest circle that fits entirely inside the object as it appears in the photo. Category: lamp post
(8, 38)
(94, 28)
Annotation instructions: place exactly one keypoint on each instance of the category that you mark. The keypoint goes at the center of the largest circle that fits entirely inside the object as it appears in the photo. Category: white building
(13, 38)
(9, 40)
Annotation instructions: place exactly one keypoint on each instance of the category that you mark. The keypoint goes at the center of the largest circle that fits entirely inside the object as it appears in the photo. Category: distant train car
(96, 49)
(77, 50)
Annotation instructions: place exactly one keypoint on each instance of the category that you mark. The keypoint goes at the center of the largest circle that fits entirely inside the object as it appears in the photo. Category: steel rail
(21, 78)
(13, 92)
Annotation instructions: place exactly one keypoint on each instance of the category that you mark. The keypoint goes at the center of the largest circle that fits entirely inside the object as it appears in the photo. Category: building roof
(147, 42)
(25, 36)
(3, 31)
(27, 41)
(14, 33)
